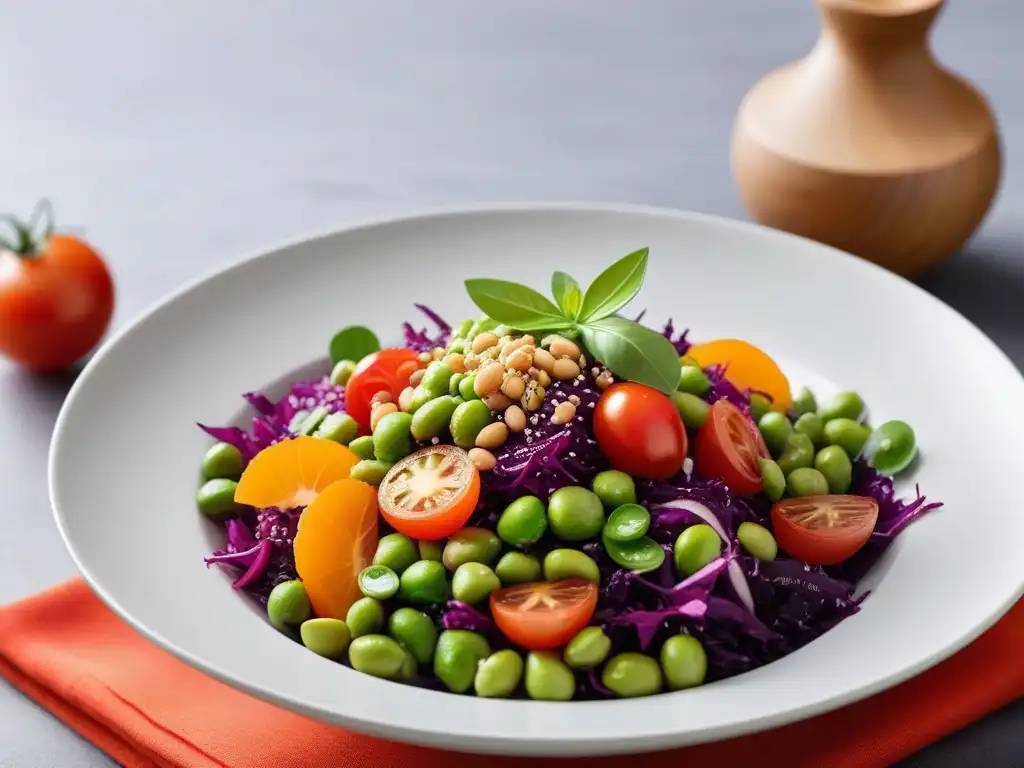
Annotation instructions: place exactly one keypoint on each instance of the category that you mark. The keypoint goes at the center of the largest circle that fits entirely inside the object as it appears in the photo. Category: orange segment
(291, 473)
(748, 368)
(336, 539)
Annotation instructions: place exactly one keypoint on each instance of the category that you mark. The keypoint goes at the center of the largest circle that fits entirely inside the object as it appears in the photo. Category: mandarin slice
(293, 472)
(747, 367)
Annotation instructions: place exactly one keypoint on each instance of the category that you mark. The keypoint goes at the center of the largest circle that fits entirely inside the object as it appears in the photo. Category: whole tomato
(639, 430)
(56, 297)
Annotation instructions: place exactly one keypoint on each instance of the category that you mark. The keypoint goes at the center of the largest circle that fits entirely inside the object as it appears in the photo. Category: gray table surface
(185, 134)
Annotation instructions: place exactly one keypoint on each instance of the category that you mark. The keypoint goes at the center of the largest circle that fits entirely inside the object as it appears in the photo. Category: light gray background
(186, 133)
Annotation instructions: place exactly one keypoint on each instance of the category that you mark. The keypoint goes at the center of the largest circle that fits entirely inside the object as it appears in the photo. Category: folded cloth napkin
(143, 707)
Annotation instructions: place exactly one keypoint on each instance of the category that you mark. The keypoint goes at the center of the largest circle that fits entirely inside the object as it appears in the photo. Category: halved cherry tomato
(729, 446)
(431, 493)
(384, 371)
(824, 530)
(746, 366)
(640, 431)
(544, 615)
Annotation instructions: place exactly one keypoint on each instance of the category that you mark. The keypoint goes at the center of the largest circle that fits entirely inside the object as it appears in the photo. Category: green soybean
(409, 667)
(216, 498)
(498, 676)
(806, 481)
(467, 420)
(570, 564)
(397, 551)
(587, 649)
(222, 460)
(432, 419)
(365, 617)
(848, 435)
(362, 447)
(431, 550)
(377, 655)
(466, 390)
(437, 378)
(692, 410)
(845, 405)
(757, 540)
(423, 582)
(457, 656)
(773, 481)
(799, 453)
(517, 568)
(837, 468)
(325, 637)
(312, 421)
(462, 329)
(471, 545)
(392, 439)
(632, 674)
(811, 424)
(415, 632)
(342, 372)
(775, 429)
(370, 471)
(338, 427)
(453, 383)
(523, 522)
(684, 662)
(805, 402)
(759, 406)
(420, 397)
(695, 547)
(614, 488)
(687, 360)
(548, 678)
(891, 447)
(378, 581)
(693, 380)
(296, 421)
(643, 554)
(627, 523)
(575, 513)
(474, 582)
(288, 604)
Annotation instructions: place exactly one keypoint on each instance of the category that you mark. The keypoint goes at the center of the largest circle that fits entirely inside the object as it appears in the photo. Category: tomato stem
(27, 242)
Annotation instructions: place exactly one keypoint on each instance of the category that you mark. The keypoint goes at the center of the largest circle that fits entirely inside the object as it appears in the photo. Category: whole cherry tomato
(639, 430)
(384, 371)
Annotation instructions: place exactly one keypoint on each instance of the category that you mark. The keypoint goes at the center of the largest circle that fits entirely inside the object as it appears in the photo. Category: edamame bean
(415, 632)
(409, 667)
(845, 405)
(431, 550)
(757, 540)
(891, 447)
(397, 551)
(687, 360)
(474, 582)
(362, 447)
(288, 604)
(222, 460)
(453, 383)
(836, 466)
(392, 439)
(773, 481)
(467, 420)
(693, 380)
(420, 397)
(339, 427)
(548, 678)
(575, 513)
(296, 421)
(365, 617)
(423, 582)
(462, 329)
(848, 435)
(569, 564)
(216, 498)
(457, 345)
(806, 481)
(517, 568)
(643, 554)
(632, 674)
(627, 523)
(432, 419)
(498, 675)
(589, 648)
(378, 581)
(370, 471)
(457, 656)
(692, 410)
(805, 402)
(811, 425)
(684, 662)
(614, 488)
(466, 390)
(775, 429)
(523, 522)
(312, 421)
(470, 545)
(759, 406)
(437, 378)
(376, 655)
(325, 637)
(342, 372)
(799, 453)
(695, 547)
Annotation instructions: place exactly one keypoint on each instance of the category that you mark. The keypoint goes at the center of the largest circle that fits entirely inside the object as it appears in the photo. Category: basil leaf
(615, 287)
(633, 352)
(353, 343)
(516, 305)
(567, 293)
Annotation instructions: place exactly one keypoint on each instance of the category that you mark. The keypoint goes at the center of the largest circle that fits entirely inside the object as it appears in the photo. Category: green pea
(362, 447)
(570, 564)
(457, 656)
(799, 453)
(845, 405)
(378, 581)
(811, 424)
(339, 427)
(627, 523)
(370, 471)
(466, 390)
(377, 655)
(806, 481)
(589, 648)
(517, 568)
(695, 547)
(420, 397)
(431, 550)
(614, 488)
(548, 678)
(474, 582)
(805, 402)
(632, 674)
(453, 383)
(644, 554)
(891, 447)
(216, 498)
(773, 481)
(462, 329)
(471, 545)
(342, 372)
(288, 604)
(468, 419)
(692, 410)
(757, 540)
(396, 551)
(415, 632)
(523, 522)
(693, 380)
(365, 617)
(837, 468)
(575, 513)
(775, 429)
(498, 675)
(437, 378)
(431, 420)
(759, 406)
(312, 422)
(392, 439)
(325, 637)
(848, 435)
(423, 582)
(684, 662)
(223, 460)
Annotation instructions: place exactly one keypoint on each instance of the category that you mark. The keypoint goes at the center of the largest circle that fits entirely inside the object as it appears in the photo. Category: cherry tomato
(384, 371)
(729, 446)
(56, 298)
(430, 494)
(544, 615)
(824, 530)
(746, 366)
(640, 431)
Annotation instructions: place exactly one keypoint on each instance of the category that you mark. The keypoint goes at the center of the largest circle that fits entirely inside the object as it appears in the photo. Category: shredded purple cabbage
(669, 332)
(422, 340)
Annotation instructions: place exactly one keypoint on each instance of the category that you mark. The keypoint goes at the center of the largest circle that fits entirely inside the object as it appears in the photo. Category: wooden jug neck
(877, 28)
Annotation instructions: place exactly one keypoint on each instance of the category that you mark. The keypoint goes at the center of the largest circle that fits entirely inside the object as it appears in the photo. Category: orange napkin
(143, 707)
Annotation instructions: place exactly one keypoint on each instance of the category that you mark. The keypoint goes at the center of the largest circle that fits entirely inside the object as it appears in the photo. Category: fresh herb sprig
(630, 350)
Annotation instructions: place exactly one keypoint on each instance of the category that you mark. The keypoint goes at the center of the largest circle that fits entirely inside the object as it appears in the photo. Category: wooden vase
(868, 144)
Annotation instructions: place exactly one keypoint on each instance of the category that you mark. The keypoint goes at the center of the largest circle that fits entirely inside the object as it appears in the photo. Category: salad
(554, 501)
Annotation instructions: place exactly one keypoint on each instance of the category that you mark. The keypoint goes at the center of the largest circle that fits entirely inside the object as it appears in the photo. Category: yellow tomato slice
(747, 367)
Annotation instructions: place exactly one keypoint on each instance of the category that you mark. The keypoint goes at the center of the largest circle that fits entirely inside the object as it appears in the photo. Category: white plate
(124, 459)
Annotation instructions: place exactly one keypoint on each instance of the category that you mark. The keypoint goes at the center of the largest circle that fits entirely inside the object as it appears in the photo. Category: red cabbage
(679, 342)
(422, 340)
(459, 615)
